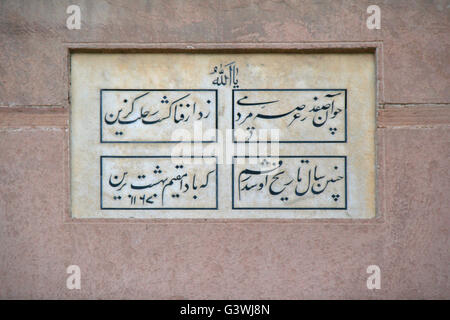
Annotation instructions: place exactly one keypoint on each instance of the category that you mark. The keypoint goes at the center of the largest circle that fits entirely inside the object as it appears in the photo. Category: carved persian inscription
(158, 182)
(301, 115)
(222, 136)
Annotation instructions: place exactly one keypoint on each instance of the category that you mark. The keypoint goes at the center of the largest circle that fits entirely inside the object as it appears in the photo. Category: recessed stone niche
(206, 135)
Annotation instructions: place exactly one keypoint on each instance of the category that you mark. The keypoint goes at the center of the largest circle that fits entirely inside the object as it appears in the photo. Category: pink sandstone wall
(202, 259)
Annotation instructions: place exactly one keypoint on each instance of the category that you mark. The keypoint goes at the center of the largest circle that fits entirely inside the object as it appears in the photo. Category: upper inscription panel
(222, 136)
(152, 115)
(300, 115)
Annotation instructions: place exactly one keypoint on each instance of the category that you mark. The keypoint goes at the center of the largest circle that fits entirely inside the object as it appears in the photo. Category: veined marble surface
(136, 120)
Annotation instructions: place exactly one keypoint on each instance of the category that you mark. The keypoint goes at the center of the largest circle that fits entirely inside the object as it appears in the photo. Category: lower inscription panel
(290, 182)
(158, 182)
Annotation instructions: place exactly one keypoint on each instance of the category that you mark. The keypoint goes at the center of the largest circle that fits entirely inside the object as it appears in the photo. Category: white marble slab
(185, 135)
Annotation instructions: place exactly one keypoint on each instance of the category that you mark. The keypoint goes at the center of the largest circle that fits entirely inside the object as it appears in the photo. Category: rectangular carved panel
(222, 135)
(157, 183)
(290, 182)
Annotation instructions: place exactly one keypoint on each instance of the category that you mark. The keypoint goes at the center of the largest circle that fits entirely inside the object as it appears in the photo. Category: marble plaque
(206, 135)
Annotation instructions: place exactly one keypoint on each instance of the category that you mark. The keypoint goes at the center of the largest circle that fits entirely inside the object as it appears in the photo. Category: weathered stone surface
(417, 212)
(309, 259)
(220, 260)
